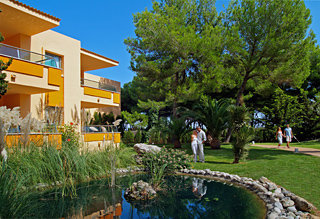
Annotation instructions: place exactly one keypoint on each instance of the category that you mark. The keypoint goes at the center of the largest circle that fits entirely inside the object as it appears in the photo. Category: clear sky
(102, 26)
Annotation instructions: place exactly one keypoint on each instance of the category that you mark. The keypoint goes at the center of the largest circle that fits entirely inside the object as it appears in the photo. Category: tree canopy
(260, 54)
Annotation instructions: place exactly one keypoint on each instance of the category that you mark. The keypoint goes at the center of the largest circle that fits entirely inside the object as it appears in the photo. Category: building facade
(49, 69)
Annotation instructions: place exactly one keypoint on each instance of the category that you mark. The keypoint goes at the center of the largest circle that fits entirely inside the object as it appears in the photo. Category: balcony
(94, 133)
(98, 85)
(25, 55)
(99, 94)
(30, 72)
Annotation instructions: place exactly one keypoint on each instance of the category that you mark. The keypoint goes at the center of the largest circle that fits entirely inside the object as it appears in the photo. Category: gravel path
(309, 151)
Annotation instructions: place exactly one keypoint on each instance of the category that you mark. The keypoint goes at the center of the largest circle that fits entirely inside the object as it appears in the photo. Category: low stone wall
(280, 203)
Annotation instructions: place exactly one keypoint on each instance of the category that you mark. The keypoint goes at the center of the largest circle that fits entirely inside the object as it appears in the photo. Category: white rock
(278, 195)
(292, 209)
(287, 202)
(291, 214)
(144, 148)
(272, 215)
(276, 209)
(278, 205)
(277, 191)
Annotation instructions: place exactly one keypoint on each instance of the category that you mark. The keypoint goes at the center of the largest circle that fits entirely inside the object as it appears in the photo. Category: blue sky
(102, 26)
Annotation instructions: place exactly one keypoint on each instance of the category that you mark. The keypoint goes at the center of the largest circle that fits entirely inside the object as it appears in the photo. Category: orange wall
(116, 98)
(19, 40)
(24, 67)
(10, 100)
(38, 139)
(54, 77)
(97, 92)
(88, 137)
(21, 100)
(56, 98)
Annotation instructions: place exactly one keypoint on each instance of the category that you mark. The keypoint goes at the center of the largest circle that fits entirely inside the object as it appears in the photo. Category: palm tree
(242, 132)
(176, 128)
(214, 115)
(240, 142)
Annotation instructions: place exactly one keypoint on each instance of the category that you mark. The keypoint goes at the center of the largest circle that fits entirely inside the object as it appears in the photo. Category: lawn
(306, 144)
(296, 172)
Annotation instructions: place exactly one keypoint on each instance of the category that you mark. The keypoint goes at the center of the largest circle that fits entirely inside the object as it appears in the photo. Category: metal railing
(98, 85)
(99, 129)
(26, 55)
(46, 129)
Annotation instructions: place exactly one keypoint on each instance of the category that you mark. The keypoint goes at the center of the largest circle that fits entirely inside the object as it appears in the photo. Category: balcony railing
(98, 85)
(26, 55)
(99, 129)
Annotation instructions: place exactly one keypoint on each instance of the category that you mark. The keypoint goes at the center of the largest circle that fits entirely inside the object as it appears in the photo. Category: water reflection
(198, 188)
(181, 197)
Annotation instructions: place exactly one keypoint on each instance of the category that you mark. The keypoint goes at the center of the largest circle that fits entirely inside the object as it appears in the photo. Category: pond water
(181, 197)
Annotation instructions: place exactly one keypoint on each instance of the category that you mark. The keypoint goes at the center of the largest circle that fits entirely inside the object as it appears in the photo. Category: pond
(181, 197)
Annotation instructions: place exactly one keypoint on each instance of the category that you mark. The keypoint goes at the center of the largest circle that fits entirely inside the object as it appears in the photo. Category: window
(53, 60)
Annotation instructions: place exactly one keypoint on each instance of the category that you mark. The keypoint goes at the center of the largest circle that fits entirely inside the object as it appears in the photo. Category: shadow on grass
(226, 153)
(218, 162)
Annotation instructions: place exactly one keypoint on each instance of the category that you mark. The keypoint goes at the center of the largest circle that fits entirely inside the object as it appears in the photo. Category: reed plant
(47, 167)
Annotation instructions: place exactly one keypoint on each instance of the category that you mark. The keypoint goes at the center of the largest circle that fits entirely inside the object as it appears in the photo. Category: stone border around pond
(280, 203)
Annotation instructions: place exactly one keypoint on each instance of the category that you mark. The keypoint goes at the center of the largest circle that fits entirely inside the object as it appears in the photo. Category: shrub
(138, 137)
(70, 136)
(128, 137)
(164, 162)
(173, 159)
(240, 142)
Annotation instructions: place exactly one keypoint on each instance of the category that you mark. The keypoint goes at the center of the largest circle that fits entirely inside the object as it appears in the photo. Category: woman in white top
(279, 136)
(194, 144)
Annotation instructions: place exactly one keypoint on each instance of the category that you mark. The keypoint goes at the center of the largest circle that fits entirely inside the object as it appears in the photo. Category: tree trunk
(175, 100)
(177, 143)
(228, 136)
(213, 142)
(239, 102)
(236, 160)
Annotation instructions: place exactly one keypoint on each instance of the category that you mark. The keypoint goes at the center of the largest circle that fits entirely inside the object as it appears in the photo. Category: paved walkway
(309, 151)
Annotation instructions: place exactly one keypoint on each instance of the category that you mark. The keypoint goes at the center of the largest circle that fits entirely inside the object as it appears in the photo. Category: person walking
(194, 144)
(279, 136)
(288, 134)
(201, 139)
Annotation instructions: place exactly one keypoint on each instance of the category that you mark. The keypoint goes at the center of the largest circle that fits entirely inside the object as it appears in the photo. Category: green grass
(306, 144)
(296, 172)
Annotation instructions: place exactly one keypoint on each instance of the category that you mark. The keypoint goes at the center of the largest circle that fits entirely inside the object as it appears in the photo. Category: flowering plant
(70, 136)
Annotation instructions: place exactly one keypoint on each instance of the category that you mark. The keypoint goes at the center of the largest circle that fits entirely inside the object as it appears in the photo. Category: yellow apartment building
(49, 69)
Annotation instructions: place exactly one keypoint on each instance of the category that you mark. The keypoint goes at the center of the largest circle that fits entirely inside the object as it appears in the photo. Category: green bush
(70, 136)
(240, 142)
(173, 159)
(128, 137)
(138, 137)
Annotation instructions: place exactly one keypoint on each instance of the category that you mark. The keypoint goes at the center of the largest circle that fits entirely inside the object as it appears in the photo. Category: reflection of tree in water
(176, 200)
(217, 201)
(91, 198)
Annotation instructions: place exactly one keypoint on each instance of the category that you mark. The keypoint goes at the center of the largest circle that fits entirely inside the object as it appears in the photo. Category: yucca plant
(215, 115)
(240, 142)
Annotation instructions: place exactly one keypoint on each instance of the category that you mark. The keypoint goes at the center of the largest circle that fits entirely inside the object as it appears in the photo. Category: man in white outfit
(201, 139)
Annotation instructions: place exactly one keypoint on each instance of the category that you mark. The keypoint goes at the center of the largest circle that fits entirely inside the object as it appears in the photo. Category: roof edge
(35, 10)
(101, 56)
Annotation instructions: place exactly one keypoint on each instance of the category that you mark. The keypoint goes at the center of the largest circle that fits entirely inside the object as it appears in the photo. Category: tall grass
(46, 166)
